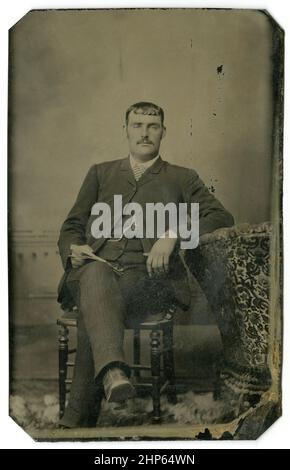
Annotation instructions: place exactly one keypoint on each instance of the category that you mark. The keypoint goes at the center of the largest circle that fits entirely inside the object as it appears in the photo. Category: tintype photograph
(145, 223)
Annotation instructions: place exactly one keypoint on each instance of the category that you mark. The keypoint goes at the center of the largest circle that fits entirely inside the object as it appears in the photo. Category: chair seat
(152, 325)
(69, 319)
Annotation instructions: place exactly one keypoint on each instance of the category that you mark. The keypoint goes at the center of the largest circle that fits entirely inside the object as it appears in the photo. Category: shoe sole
(121, 393)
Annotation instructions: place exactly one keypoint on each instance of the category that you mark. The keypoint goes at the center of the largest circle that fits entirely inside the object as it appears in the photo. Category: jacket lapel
(127, 171)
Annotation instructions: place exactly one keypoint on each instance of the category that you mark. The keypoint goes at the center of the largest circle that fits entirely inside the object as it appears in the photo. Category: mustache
(144, 141)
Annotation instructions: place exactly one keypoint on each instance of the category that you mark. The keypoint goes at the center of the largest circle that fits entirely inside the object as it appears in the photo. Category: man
(115, 282)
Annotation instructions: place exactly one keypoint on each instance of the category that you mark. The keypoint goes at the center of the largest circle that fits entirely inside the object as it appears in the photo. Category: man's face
(144, 133)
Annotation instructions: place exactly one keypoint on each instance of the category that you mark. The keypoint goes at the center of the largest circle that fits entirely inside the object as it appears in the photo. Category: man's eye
(136, 125)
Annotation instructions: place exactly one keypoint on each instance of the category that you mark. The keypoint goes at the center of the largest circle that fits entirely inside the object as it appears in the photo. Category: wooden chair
(161, 366)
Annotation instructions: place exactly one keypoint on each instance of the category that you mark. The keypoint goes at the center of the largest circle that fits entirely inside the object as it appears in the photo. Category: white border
(11, 435)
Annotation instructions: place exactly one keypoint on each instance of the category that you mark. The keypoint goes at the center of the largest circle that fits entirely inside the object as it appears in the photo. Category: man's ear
(164, 132)
(125, 130)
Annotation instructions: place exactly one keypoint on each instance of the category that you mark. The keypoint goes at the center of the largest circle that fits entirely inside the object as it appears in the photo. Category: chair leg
(168, 361)
(62, 357)
(136, 352)
(155, 371)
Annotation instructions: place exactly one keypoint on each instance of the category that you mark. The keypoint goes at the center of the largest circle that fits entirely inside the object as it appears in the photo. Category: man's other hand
(79, 254)
(158, 258)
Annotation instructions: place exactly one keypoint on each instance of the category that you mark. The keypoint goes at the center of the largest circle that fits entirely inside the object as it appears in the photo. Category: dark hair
(145, 107)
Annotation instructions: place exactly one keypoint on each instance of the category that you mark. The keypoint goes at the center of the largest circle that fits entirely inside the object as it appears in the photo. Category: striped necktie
(138, 170)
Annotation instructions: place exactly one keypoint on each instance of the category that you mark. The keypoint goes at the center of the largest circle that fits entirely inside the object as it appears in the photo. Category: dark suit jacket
(162, 182)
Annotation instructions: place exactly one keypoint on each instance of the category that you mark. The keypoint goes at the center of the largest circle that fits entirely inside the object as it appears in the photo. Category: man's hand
(79, 253)
(158, 258)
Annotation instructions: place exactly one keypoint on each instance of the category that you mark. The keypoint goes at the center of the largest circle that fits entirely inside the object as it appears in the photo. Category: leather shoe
(117, 386)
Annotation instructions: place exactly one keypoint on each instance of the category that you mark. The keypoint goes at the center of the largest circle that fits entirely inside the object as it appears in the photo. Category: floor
(34, 405)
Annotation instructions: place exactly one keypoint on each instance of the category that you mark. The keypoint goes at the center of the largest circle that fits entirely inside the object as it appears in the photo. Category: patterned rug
(34, 405)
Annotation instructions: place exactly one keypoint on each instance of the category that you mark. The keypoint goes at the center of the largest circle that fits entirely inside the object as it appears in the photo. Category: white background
(11, 436)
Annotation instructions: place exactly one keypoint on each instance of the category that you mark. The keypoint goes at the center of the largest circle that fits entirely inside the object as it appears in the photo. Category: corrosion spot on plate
(219, 69)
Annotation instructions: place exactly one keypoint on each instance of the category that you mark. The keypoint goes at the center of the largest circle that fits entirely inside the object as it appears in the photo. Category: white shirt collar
(146, 165)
